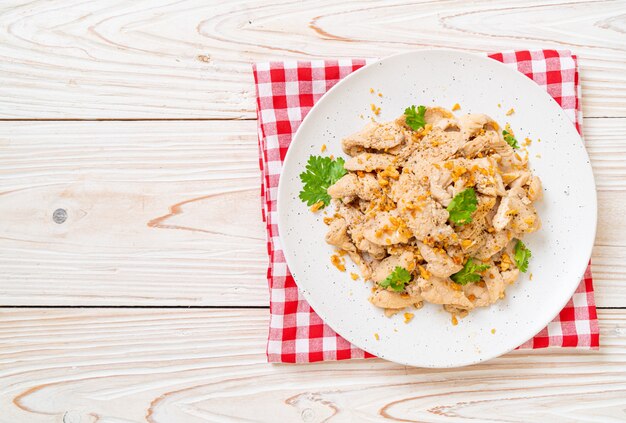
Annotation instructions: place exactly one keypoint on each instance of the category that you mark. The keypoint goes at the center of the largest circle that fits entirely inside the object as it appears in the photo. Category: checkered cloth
(286, 91)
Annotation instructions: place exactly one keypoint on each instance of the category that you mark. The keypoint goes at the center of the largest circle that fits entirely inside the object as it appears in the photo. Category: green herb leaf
(521, 255)
(510, 139)
(321, 172)
(462, 206)
(397, 279)
(470, 272)
(415, 118)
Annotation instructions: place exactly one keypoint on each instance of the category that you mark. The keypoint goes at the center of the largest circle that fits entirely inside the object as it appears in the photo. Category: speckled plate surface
(561, 249)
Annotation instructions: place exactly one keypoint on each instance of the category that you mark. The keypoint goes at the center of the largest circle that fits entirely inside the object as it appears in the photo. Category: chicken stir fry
(432, 207)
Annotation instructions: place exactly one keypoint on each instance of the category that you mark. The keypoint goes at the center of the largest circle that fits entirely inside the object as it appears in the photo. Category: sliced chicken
(427, 219)
(387, 228)
(503, 216)
(356, 223)
(440, 179)
(494, 242)
(337, 235)
(477, 293)
(389, 264)
(443, 291)
(391, 208)
(369, 161)
(488, 180)
(394, 300)
(495, 283)
(440, 145)
(521, 180)
(535, 191)
(351, 186)
(439, 262)
(510, 276)
(480, 143)
(377, 136)
(517, 211)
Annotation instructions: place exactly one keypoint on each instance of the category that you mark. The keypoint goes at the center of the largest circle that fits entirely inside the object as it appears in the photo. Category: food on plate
(431, 207)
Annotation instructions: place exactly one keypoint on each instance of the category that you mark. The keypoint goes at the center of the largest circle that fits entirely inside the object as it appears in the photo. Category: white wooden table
(149, 301)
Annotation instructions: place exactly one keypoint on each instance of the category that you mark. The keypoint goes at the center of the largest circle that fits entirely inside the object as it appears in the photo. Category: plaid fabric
(286, 91)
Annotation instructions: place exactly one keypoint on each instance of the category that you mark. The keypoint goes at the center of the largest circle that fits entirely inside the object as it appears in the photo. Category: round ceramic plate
(560, 250)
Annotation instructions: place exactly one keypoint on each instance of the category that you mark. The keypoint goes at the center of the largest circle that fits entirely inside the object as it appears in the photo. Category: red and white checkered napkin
(286, 91)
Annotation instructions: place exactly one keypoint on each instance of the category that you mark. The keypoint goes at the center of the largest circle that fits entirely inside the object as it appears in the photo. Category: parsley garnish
(321, 172)
(510, 139)
(397, 279)
(462, 206)
(469, 273)
(521, 256)
(415, 118)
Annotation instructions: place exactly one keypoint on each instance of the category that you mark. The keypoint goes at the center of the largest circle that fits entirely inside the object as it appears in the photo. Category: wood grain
(189, 366)
(185, 59)
(168, 213)
(158, 213)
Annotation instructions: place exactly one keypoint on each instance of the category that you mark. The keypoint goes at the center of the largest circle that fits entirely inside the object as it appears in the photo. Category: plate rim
(593, 202)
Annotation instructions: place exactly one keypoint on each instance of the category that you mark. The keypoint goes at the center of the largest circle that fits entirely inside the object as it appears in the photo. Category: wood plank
(116, 365)
(168, 213)
(163, 59)
(158, 213)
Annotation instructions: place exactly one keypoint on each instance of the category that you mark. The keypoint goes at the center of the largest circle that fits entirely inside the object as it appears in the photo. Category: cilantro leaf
(510, 139)
(469, 273)
(397, 279)
(521, 255)
(321, 172)
(415, 118)
(462, 206)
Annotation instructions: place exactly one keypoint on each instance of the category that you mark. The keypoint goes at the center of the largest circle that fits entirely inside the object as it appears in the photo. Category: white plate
(561, 249)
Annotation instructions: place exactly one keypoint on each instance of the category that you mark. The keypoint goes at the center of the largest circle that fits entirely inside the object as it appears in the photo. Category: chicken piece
(389, 264)
(443, 291)
(493, 244)
(526, 220)
(535, 191)
(480, 143)
(386, 228)
(337, 235)
(448, 125)
(503, 216)
(426, 219)
(522, 179)
(376, 251)
(510, 276)
(440, 178)
(364, 267)
(440, 146)
(439, 263)
(488, 180)
(509, 160)
(517, 212)
(351, 186)
(434, 116)
(472, 124)
(353, 216)
(478, 294)
(377, 136)
(356, 224)
(408, 185)
(495, 283)
(391, 300)
(369, 162)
